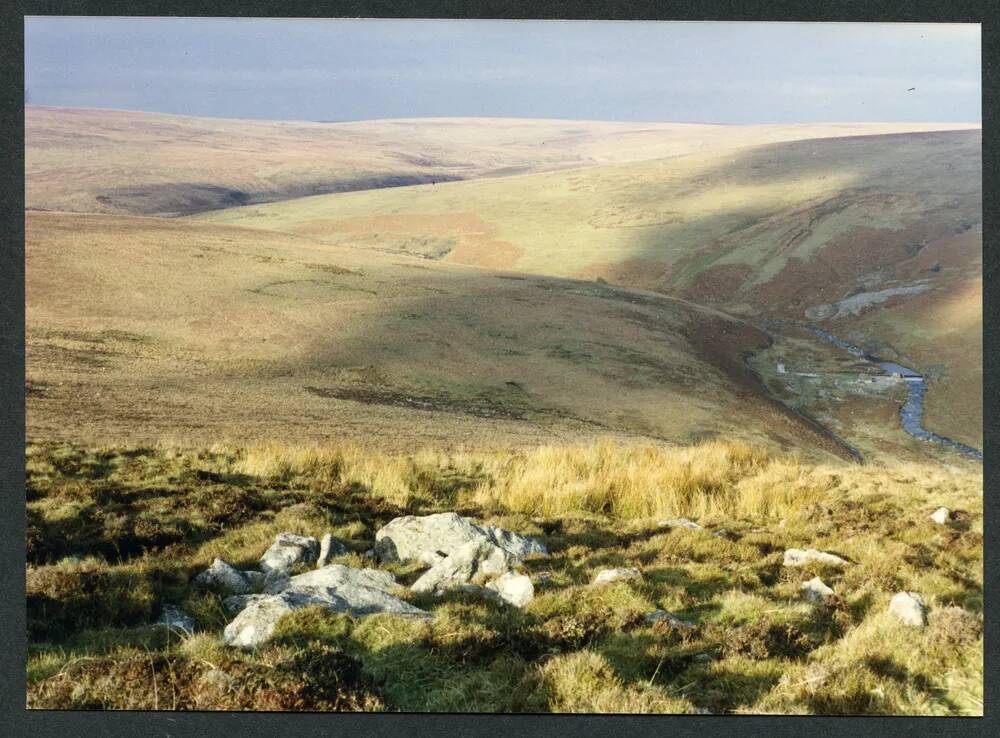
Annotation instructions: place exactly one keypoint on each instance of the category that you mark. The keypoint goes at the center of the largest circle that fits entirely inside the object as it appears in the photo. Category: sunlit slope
(875, 237)
(145, 329)
(112, 161)
(733, 227)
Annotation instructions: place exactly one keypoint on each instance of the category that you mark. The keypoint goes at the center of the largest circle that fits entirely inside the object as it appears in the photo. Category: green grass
(97, 577)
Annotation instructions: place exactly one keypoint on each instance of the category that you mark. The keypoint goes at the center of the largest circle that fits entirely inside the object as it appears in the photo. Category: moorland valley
(677, 405)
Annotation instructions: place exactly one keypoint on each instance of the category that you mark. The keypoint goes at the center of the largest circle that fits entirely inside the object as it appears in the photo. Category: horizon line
(972, 124)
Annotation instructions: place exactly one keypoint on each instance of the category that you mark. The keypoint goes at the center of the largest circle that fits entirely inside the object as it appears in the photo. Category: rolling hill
(874, 237)
(142, 329)
(115, 161)
(580, 355)
(872, 231)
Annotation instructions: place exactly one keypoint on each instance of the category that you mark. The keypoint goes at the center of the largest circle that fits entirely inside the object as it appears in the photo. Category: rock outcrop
(235, 604)
(336, 588)
(428, 538)
(329, 548)
(255, 623)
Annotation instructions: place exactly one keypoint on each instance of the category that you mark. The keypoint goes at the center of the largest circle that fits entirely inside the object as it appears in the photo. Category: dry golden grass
(625, 481)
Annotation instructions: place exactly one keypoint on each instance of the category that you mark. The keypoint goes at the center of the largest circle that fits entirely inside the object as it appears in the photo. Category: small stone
(816, 590)
(514, 589)
(329, 547)
(799, 557)
(679, 523)
(520, 546)
(662, 616)
(703, 658)
(174, 618)
(616, 575)
(726, 534)
(289, 550)
(226, 579)
(941, 516)
(909, 608)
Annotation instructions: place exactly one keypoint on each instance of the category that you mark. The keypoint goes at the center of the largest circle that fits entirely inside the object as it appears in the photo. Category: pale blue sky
(640, 71)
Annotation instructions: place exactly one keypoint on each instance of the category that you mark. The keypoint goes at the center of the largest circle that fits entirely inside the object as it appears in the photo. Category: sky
(329, 70)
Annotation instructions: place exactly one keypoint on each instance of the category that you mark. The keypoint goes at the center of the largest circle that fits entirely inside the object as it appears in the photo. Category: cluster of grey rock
(431, 538)
(461, 555)
(335, 587)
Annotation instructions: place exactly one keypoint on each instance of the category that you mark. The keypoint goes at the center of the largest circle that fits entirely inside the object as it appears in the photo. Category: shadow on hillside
(945, 161)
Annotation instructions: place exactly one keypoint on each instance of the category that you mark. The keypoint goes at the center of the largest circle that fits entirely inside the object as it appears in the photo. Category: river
(912, 413)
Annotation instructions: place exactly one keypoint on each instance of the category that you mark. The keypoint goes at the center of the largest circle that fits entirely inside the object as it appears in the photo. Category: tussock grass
(712, 479)
(586, 682)
(624, 481)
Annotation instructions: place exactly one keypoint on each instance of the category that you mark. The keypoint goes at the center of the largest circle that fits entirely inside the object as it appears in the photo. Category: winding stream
(911, 414)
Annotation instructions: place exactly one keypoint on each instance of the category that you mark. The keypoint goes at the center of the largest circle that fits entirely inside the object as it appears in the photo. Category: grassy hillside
(113, 161)
(140, 329)
(875, 237)
(575, 354)
(116, 533)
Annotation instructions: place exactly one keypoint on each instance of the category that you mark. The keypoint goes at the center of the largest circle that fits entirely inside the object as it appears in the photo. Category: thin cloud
(340, 69)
